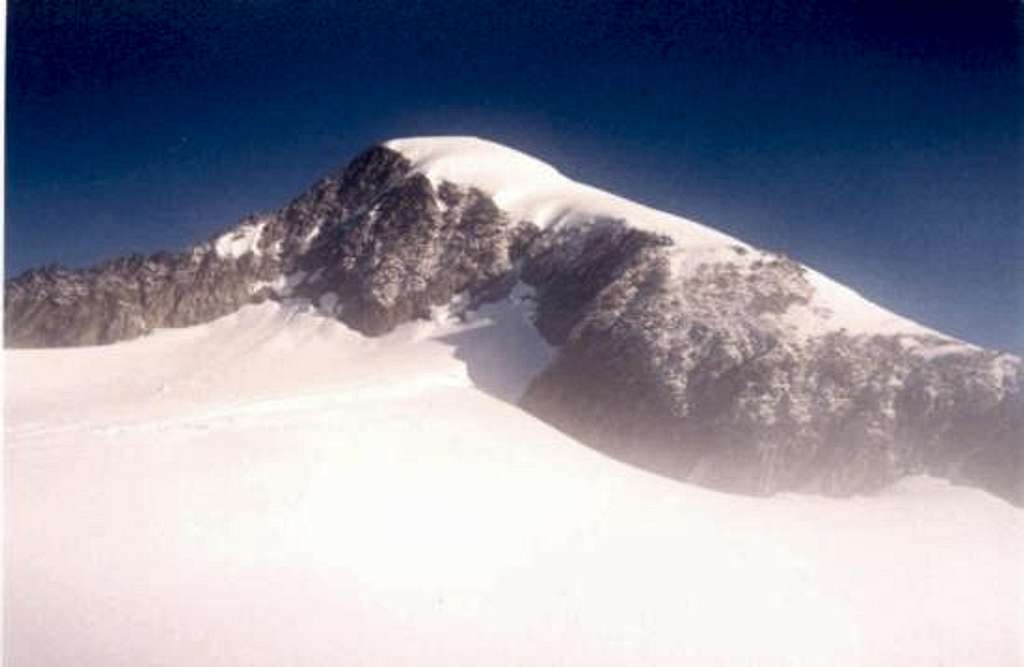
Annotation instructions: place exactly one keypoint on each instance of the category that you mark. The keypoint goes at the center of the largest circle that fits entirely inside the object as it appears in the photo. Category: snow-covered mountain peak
(735, 367)
(530, 189)
(377, 416)
(486, 164)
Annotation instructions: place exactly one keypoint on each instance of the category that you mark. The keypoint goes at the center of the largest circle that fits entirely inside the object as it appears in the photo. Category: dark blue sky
(878, 142)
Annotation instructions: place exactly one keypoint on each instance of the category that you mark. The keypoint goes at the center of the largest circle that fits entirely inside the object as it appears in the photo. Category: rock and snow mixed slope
(274, 488)
(680, 349)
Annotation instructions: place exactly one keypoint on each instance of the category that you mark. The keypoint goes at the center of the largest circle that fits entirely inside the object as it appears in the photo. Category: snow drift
(274, 488)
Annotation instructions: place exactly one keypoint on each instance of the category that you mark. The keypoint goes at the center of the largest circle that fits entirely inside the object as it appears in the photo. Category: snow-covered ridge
(530, 189)
(835, 306)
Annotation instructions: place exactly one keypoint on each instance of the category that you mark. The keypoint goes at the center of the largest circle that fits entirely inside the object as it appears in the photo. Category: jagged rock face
(124, 298)
(685, 364)
(374, 245)
(742, 411)
(413, 249)
(685, 376)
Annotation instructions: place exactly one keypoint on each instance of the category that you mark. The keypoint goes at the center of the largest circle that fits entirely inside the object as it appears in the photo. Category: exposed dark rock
(413, 249)
(742, 412)
(570, 266)
(124, 298)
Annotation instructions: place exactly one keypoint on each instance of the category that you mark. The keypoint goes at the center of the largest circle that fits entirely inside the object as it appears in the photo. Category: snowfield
(274, 489)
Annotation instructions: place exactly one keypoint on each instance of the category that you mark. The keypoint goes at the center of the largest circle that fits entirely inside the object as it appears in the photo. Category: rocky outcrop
(690, 362)
(125, 297)
(373, 244)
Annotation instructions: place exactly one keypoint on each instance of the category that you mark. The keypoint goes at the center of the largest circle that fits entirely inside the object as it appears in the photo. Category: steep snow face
(529, 189)
(273, 488)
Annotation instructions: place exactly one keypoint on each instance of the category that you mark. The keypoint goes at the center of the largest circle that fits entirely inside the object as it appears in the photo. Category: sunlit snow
(274, 489)
(240, 241)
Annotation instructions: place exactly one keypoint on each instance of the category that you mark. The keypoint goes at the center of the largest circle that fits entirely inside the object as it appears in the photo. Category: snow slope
(529, 189)
(274, 489)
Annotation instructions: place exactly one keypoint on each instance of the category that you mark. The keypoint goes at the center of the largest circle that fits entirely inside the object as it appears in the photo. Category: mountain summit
(679, 348)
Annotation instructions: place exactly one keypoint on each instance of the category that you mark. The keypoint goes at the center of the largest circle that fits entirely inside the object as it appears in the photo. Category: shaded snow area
(274, 489)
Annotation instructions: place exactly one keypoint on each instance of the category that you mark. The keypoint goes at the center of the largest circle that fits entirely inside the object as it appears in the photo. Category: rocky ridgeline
(692, 372)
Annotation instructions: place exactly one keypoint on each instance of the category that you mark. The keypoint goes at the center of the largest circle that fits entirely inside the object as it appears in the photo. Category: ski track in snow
(272, 488)
(297, 410)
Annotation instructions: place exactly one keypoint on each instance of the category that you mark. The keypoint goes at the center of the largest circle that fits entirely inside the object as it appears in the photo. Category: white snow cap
(530, 189)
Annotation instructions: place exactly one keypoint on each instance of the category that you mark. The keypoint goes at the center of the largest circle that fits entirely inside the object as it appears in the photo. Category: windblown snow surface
(274, 489)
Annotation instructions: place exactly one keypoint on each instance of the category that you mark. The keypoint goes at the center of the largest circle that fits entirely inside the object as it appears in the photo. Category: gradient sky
(877, 142)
